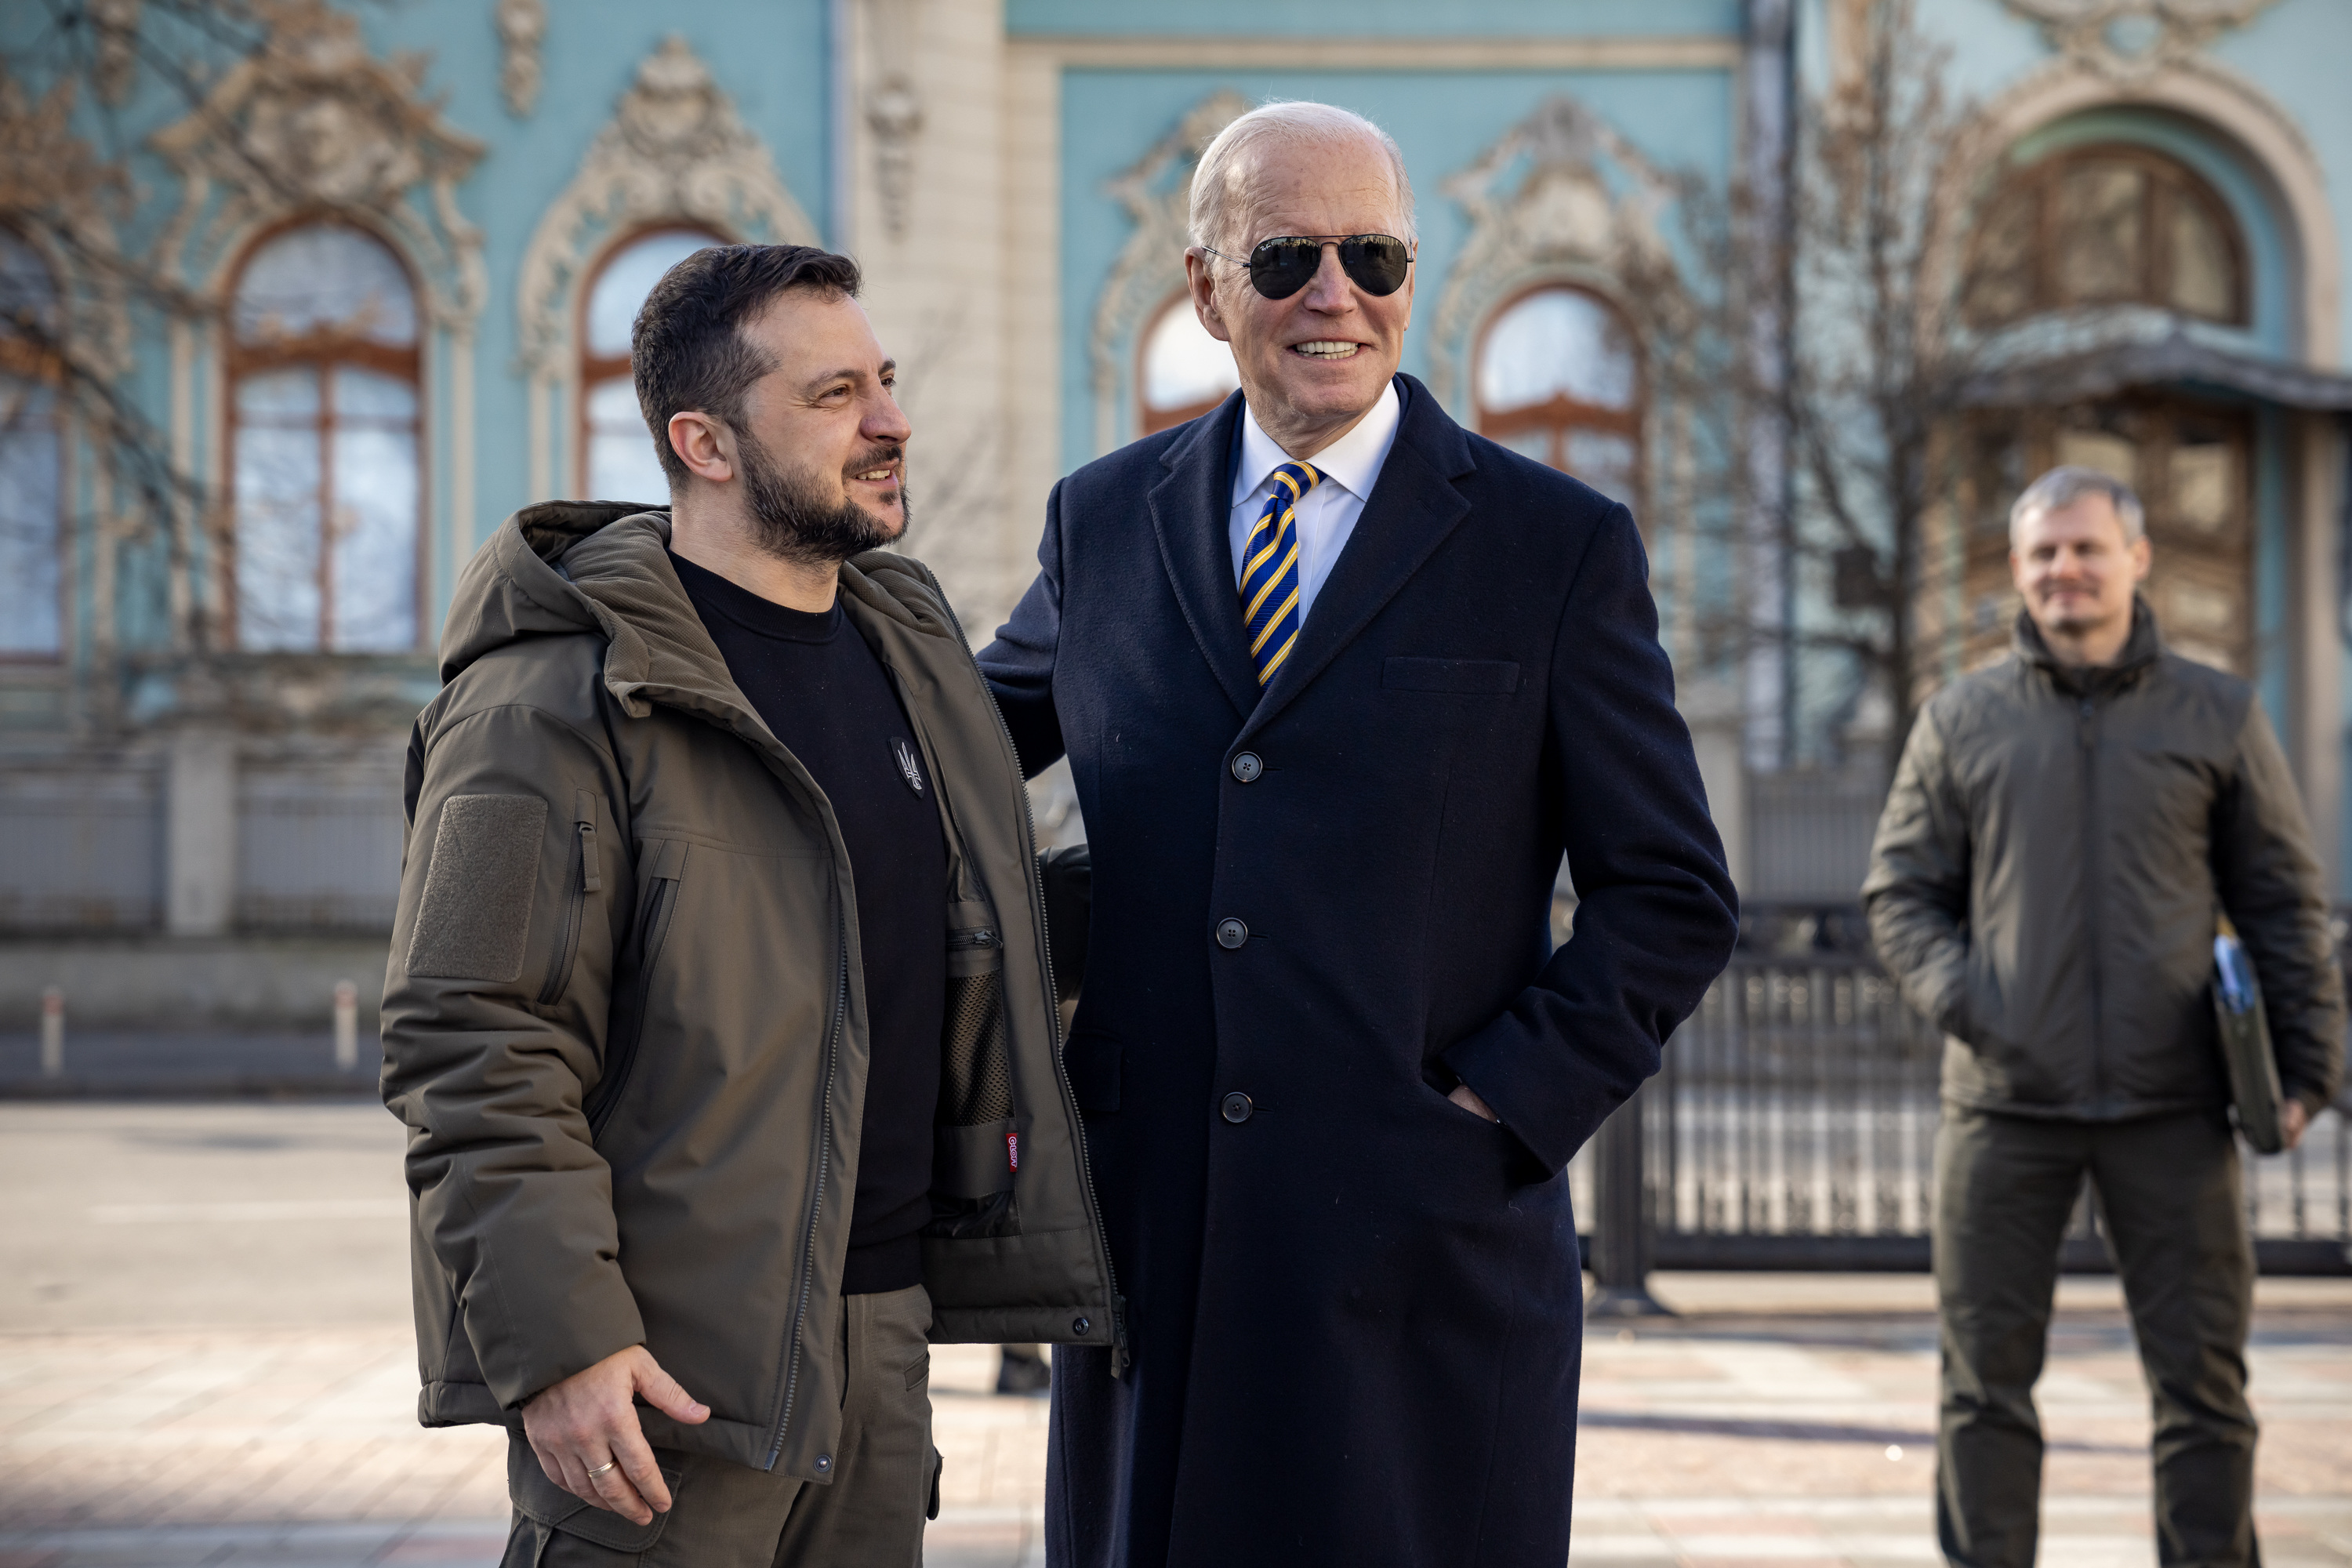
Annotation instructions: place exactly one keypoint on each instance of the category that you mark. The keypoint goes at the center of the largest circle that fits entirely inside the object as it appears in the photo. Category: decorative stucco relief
(311, 122)
(1157, 192)
(2157, 62)
(46, 170)
(522, 31)
(1540, 206)
(2127, 39)
(675, 151)
(114, 70)
(894, 108)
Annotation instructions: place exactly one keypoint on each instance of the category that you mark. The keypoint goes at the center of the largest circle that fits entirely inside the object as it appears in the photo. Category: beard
(794, 520)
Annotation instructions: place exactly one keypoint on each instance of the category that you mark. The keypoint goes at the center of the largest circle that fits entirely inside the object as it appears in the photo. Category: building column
(2317, 617)
(1711, 709)
(200, 833)
(921, 203)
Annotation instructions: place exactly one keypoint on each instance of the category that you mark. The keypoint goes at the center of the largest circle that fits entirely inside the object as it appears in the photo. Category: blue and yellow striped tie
(1270, 571)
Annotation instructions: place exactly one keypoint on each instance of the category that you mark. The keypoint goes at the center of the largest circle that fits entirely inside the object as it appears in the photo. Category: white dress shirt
(1327, 513)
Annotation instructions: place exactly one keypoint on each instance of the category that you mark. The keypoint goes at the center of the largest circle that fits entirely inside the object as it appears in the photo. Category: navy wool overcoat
(1354, 1306)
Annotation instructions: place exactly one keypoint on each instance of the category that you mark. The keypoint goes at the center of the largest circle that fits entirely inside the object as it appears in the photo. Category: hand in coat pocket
(1468, 1098)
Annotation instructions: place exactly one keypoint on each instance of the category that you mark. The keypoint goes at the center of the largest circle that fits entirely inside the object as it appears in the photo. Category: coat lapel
(1190, 508)
(1414, 505)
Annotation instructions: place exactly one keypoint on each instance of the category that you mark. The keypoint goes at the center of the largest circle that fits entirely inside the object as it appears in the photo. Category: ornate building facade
(420, 232)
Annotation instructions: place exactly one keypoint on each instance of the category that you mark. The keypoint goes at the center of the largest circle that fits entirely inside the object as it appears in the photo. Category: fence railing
(1794, 1126)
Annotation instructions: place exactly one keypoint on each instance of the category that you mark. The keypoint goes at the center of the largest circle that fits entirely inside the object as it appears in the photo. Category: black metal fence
(1793, 1127)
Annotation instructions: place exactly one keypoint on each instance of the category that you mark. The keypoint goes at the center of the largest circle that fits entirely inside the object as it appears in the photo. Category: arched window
(31, 458)
(2106, 225)
(1181, 371)
(617, 459)
(1559, 379)
(325, 459)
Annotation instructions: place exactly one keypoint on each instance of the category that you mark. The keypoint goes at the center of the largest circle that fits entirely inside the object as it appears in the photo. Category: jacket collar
(2141, 649)
(1411, 510)
(574, 566)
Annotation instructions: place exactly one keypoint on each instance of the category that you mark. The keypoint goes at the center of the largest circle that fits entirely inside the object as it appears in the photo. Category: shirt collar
(1353, 461)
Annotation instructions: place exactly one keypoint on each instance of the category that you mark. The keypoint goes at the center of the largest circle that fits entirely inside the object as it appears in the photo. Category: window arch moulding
(77, 313)
(2221, 125)
(1561, 200)
(35, 465)
(1156, 191)
(615, 460)
(326, 465)
(675, 154)
(2179, 189)
(313, 125)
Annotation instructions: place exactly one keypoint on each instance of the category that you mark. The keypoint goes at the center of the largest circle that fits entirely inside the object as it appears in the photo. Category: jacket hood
(569, 567)
(2142, 648)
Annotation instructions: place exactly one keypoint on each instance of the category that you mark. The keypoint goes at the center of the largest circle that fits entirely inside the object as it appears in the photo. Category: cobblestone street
(205, 1359)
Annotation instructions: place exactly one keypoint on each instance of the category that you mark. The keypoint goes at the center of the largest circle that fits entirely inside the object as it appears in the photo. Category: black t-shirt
(826, 695)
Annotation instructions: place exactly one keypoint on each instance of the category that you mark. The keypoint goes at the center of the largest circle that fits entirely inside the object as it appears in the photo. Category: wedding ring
(602, 1468)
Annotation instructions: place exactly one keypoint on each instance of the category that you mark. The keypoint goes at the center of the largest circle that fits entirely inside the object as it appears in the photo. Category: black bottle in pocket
(976, 1147)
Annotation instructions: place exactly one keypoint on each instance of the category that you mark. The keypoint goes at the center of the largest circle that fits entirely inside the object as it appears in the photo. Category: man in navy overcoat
(1339, 683)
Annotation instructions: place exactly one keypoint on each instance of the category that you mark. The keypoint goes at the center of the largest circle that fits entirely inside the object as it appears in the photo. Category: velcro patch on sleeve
(474, 921)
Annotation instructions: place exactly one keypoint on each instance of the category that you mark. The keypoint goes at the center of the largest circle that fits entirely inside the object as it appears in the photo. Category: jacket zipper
(824, 1162)
(2087, 729)
(584, 882)
(655, 925)
(1119, 1356)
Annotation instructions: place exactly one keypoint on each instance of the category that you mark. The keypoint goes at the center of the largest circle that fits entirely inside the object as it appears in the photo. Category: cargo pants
(730, 1516)
(2168, 1190)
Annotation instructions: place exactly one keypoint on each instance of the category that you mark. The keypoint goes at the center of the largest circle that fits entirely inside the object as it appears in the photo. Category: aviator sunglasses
(1281, 266)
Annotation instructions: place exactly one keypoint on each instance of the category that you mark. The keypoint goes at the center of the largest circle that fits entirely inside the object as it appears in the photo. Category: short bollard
(53, 1032)
(347, 1026)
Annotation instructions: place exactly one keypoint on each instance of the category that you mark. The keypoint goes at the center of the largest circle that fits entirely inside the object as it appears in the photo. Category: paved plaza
(205, 1359)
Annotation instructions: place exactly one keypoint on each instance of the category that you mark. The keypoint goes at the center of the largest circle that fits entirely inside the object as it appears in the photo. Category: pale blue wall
(1679, 120)
(772, 59)
(2296, 53)
(1376, 18)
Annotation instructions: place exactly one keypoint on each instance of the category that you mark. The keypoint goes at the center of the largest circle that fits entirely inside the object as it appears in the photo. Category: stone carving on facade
(675, 151)
(522, 30)
(312, 123)
(68, 199)
(1157, 192)
(2129, 39)
(894, 110)
(114, 68)
(1540, 207)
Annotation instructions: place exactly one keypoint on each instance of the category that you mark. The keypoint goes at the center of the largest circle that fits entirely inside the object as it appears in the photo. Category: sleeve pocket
(473, 921)
(1468, 677)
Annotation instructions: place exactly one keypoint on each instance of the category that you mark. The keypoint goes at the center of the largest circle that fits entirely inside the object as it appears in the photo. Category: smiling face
(1313, 365)
(2077, 571)
(828, 413)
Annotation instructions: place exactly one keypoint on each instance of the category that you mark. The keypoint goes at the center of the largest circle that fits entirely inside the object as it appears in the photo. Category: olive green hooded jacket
(625, 1022)
(2049, 868)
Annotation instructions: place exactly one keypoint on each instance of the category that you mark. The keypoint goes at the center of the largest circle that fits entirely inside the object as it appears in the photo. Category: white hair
(1224, 167)
(2064, 486)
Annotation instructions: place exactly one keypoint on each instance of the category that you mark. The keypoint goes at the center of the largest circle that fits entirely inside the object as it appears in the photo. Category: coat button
(1080, 1325)
(1231, 934)
(1246, 767)
(1236, 1107)
(824, 1463)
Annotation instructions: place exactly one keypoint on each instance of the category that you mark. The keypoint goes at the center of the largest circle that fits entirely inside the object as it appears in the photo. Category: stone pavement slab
(205, 1358)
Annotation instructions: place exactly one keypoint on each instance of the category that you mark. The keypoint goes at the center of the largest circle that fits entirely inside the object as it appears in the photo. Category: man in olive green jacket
(627, 1019)
(2063, 830)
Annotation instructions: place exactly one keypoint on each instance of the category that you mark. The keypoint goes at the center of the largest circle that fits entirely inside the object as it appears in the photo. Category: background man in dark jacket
(2063, 830)
(718, 1009)
(1339, 682)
